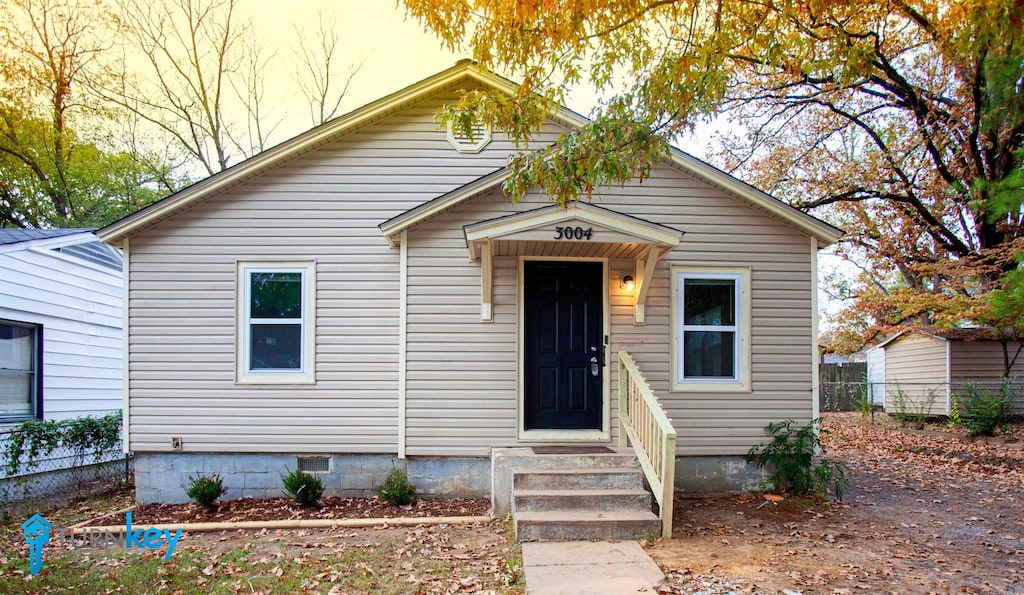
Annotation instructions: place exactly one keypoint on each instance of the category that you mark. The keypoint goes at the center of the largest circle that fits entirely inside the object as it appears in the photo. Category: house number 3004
(573, 233)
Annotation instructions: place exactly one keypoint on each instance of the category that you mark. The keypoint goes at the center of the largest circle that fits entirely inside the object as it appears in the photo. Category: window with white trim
(276, 322)
(21, 379)
(711, 314)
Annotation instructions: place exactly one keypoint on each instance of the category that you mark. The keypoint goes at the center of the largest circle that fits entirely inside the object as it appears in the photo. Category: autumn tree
(901, 121)
(49, 174)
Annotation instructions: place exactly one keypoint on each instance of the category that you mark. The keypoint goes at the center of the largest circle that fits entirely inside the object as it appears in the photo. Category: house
(364, 296)
(60, 325)
(875, 358)
(922, 370)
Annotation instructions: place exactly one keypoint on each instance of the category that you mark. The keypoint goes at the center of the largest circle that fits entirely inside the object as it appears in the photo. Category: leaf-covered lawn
(424, 559)
(925, 512)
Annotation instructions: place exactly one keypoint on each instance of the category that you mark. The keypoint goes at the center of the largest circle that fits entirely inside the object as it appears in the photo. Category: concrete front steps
(581, 496)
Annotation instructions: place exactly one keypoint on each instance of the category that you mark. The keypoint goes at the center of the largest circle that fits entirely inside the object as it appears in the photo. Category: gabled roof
(16, 236)
(309, 141)
(79, 243)
(975, 333)
(682, 161)
(628, 228)
(316, 137)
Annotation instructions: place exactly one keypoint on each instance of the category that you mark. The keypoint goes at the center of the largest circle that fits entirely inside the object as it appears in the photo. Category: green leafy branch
(32, 441)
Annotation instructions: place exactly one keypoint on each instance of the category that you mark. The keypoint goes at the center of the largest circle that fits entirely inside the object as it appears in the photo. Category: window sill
(711, 387)
(275, 380)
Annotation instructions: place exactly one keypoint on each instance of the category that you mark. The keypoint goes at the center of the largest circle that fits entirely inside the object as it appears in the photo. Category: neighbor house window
(276, 322)
(711, 326)
(21, 379)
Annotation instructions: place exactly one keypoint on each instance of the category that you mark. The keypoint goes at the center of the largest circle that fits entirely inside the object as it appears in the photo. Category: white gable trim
(660, 240)
(117, 231)
(823, 232)
(393, 228)
(639, 230)
(50, 243)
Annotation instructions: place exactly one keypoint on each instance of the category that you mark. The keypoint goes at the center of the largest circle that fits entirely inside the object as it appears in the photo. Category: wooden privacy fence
(841, 385)
(644, 422)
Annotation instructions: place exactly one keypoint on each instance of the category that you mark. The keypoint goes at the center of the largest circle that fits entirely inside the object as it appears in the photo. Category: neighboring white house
(60, 325)
(365, 295)
(876, 374)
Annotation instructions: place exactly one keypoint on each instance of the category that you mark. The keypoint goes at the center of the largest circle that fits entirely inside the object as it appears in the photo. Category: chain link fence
(922, 399)
(52, 474)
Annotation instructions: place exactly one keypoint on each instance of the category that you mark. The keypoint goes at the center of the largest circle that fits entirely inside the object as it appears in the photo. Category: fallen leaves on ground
(925, 512)
(274, 509)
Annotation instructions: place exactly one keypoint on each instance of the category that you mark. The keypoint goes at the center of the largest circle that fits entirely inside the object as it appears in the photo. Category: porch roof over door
(579, 230)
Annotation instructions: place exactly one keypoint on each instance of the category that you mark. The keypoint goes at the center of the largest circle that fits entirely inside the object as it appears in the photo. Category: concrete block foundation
(715, 475)
(163, 477)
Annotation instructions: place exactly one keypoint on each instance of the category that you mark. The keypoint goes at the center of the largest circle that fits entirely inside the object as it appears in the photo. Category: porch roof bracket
(644, 275)
(486, 282)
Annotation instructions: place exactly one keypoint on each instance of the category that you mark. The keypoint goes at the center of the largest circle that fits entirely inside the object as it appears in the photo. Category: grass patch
(393, 561)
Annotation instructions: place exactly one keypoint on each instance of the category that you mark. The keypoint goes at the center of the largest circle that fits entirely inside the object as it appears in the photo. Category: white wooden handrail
(644, 423)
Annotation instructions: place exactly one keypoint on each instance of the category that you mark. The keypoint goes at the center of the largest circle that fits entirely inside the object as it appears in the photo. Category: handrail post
(668, 485)
(645, 424)
(623, 402)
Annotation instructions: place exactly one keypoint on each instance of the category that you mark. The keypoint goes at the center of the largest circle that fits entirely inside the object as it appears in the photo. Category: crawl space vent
(315, 464)
(474, 143)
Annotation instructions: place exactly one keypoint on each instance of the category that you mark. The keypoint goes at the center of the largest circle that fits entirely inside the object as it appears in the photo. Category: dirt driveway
(924, 513)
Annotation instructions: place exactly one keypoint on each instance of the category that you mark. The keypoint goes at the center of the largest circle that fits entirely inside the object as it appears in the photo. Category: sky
(396, 52)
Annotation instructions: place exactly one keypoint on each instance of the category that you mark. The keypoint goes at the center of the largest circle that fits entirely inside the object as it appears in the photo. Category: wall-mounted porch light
(626, 283)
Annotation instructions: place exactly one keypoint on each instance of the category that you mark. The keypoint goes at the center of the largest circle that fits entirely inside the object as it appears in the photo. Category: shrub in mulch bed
(332, 507)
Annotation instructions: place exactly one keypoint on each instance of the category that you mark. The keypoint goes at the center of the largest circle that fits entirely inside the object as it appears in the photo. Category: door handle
(594, 368)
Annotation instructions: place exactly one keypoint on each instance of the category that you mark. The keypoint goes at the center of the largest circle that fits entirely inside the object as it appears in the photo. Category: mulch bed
(267, 509)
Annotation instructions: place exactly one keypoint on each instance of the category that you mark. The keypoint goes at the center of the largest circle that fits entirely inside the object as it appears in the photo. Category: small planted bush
(396, 489)
(205, 490)
(979, 411)
(302, 487)
(790, 453)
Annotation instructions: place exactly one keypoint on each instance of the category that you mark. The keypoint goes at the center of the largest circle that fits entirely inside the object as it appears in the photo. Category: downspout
(403, 298)
(949, 376)
(815, 396)
(125, 331)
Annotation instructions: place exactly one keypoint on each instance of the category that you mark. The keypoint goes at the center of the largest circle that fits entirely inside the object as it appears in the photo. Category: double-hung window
(276, 322)
(711, 313)
(21, 378)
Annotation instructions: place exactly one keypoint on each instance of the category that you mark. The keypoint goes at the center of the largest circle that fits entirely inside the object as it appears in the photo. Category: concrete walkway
(588, 568)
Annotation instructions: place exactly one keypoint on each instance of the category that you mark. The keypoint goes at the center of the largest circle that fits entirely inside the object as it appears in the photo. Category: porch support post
(486, 283)
(645, 275)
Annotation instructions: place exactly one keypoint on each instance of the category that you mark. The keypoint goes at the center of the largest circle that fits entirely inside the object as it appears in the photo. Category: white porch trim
(539, 225)
(602, 435)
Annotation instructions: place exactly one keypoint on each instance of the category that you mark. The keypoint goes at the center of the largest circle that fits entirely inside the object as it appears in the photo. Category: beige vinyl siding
(982, 360)
(915, 375)
(324, 206)
(470, 406)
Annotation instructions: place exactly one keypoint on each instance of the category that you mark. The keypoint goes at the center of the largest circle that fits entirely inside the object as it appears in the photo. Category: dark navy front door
(563, 345)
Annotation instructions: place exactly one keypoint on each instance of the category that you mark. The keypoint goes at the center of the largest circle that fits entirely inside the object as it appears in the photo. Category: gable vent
(473, 143)
(315, 464)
